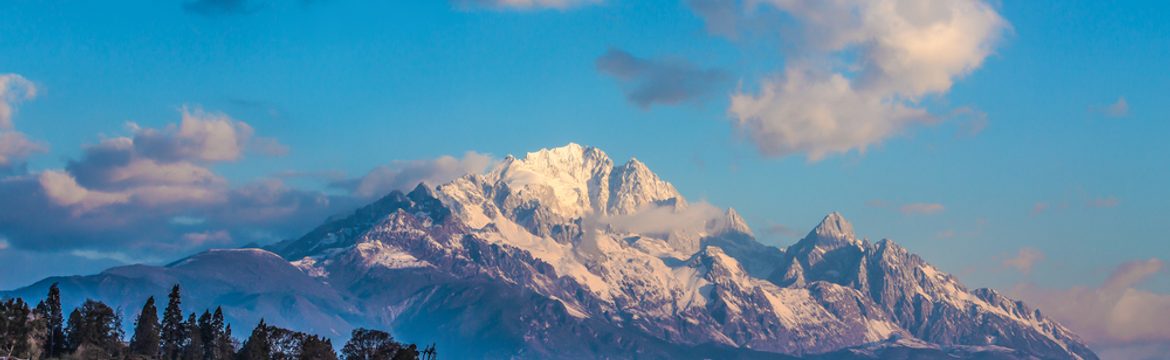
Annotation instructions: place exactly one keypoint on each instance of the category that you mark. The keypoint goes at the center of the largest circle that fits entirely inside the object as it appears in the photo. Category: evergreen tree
(193, 349)
(208, 334)
(257, 347)
(95, 328)
(227, 347)
(146, 333)
(221, 347)
(50, 311)
(173, 335)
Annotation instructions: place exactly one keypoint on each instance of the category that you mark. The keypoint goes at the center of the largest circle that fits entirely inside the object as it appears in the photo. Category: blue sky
(1054, 142)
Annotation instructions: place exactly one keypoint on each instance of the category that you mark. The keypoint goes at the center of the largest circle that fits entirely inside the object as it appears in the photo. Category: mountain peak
(632, 186)
(572, 154)
(834, 226)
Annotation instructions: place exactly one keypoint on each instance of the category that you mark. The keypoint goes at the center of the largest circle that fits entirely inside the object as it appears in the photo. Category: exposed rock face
(554, 256)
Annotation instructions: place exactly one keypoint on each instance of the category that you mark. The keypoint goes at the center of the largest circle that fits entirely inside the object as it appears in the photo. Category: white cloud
(200, 136)
(664, 219)
(13, 89)
(14, 145)
(860, 70)
(404, 175)
(1113, 314)
(117, 256)
(1024, 260)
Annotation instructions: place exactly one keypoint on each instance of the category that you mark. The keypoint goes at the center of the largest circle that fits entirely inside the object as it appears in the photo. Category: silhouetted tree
(50, 310)
(194, 347)
(94, 330)
(173, 335)
(16, 328)
(317, 348)
(145, 342)
(367, 344)
(222, 347)
(257, 346)
(409, 352)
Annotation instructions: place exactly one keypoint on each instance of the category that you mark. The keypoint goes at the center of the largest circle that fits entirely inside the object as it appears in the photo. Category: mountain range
(565, 254)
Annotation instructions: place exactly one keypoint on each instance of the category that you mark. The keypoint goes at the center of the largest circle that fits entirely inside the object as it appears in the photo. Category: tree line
(94, 331)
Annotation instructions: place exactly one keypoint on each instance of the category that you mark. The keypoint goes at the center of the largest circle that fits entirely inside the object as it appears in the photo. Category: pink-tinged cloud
(1104, 202)
(1024, 260)
(15, 146)
(204, 238)
(1115, 313)
(1117, 109)
(63, 190)
(922, 208)
(1040, 208)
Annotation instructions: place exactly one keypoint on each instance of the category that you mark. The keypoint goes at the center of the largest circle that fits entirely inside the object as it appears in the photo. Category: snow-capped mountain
(564, 254)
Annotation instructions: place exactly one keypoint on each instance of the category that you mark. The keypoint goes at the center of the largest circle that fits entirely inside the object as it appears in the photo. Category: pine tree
(50, 311)
(257, 346)
(193, 349)
(227, 347)
(222, 347)
(146, 333)
(173, 335)
(208, 334)
(94, 330)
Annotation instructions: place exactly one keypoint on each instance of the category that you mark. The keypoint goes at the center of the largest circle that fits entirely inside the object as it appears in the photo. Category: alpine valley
(565, 254)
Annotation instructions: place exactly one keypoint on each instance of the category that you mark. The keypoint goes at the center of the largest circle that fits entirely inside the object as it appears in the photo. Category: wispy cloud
(1104, 202)
(1040, 208)
(971, 122)
(649, 82)
(922, 208)
(15, 147)
(406, 174)
(859, 71)
(1117, 109)
(1024, 260)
